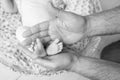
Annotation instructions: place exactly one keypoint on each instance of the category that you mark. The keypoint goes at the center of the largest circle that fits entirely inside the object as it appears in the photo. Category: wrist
(75, 65)
(78, 66)
(82, 65)
(95, 25)
(88, 27)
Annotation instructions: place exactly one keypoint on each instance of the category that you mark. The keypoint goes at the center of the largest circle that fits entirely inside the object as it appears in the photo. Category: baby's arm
(9, 5)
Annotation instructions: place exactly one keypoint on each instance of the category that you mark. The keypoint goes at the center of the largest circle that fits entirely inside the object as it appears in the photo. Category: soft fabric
(16, 60)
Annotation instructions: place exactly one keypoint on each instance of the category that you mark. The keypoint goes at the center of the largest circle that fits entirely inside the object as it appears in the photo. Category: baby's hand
(55, 47)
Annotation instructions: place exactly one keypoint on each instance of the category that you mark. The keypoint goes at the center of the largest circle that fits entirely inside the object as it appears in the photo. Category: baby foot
(39, 49)
(55, 47)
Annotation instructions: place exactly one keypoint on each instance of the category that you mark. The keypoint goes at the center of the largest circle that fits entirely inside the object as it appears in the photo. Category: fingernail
(26, 34)
(26, 42)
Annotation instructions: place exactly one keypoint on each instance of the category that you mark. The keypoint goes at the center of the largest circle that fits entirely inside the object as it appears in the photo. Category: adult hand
(62, 61)
(67, 26)
(66, 60)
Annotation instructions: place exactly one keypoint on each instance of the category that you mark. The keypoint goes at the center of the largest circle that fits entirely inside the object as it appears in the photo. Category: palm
(62, 61)
(67, 28)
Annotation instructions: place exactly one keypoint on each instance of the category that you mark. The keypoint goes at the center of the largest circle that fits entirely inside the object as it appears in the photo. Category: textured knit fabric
(16, 59)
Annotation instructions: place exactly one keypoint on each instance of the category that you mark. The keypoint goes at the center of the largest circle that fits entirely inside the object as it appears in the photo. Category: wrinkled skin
(67, 26)
(62, 61)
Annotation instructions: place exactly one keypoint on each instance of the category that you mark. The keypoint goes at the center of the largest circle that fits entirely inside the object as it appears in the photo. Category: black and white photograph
(59, 39)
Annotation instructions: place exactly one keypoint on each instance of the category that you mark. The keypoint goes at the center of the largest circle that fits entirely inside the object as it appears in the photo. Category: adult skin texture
(103, 23)
(96, 68)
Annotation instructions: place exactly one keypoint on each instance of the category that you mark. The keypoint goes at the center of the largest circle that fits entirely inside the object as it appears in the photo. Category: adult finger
(29, 40)
(39, 35)
(36, 29)
(48, 64)
(46, 39)
(33, 37)
(26, 51)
